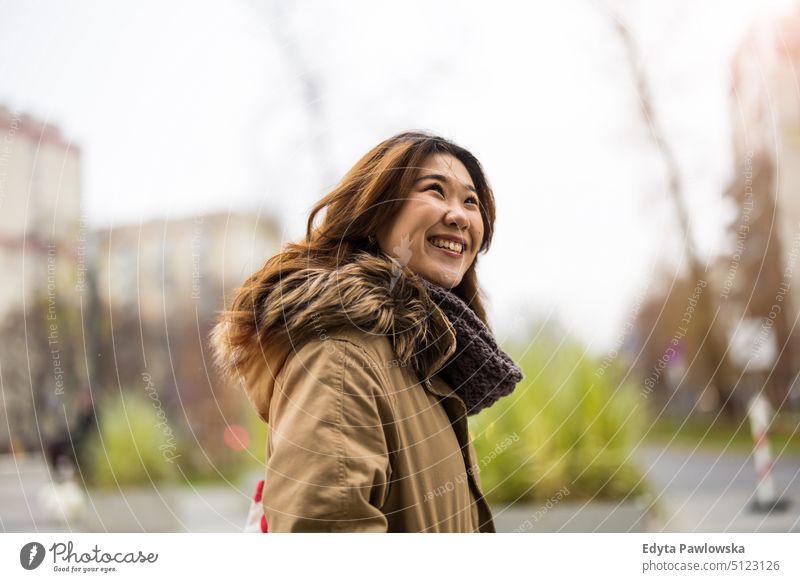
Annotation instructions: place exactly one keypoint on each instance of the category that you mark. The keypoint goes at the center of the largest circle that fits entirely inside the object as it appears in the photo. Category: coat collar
(373, 293)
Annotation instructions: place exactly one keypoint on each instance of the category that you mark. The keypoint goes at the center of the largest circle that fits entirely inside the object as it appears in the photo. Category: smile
(447, 251)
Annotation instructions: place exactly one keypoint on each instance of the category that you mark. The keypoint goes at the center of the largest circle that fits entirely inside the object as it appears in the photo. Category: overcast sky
(187, 107)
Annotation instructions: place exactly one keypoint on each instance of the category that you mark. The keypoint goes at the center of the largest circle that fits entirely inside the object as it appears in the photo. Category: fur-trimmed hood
(374, 294)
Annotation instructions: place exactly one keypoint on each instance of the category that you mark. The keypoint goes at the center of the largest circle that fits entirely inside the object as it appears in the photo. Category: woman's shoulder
(359, 355)
(347, 358)
(357, 346)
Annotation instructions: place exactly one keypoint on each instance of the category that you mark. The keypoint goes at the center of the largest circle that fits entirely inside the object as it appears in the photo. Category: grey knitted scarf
(479, 371)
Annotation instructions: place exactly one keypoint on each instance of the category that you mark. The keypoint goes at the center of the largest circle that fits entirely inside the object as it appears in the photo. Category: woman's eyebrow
(444, 179)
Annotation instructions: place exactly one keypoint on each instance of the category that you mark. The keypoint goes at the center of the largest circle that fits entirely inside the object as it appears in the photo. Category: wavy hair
(368, 196)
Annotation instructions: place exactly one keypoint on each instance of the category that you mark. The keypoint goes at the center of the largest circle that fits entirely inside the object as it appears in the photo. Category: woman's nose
(457, 217)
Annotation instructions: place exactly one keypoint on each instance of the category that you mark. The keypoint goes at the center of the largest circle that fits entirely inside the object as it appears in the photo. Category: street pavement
(28, 503)
(693, 491)
(22, 479)
(702, 490)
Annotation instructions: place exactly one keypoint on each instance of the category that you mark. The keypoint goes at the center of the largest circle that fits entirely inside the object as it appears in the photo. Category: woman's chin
(441, 277)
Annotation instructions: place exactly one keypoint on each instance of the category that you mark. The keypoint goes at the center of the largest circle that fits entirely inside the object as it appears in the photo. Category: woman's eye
(437, 187)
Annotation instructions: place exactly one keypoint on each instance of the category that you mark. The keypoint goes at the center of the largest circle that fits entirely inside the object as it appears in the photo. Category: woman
(365, 347)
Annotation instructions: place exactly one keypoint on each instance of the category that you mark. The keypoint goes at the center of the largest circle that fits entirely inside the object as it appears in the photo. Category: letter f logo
(31, 555)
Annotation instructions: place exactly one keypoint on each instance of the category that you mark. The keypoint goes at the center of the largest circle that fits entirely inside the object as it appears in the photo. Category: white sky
(185, 107)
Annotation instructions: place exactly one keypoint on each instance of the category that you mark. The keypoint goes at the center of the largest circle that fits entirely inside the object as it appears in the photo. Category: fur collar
(375, 294)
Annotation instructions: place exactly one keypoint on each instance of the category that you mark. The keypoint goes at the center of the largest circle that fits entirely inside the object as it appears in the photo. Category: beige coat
(363, 435)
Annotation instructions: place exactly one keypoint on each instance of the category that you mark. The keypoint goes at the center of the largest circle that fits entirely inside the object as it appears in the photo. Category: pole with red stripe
(766, 498)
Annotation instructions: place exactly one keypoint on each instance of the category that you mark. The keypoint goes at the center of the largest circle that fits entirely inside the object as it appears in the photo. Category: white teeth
(447, 244)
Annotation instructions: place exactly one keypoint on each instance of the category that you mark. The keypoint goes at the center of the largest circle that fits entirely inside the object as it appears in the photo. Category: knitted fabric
(479, 371)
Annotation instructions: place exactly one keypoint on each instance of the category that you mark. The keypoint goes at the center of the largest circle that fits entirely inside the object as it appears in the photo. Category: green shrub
(212, 462)
(565, 426)
(134, 445)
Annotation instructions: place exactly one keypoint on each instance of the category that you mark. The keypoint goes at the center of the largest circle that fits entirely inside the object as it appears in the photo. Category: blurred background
(645, 157)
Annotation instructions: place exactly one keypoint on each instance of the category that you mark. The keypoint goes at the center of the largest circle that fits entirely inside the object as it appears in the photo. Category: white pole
(760, 413)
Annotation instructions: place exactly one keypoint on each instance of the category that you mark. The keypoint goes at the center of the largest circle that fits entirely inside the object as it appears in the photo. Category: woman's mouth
(448, 248)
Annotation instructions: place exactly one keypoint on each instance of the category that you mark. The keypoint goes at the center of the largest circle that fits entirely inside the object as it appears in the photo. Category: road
(711, 491)
(694, 491)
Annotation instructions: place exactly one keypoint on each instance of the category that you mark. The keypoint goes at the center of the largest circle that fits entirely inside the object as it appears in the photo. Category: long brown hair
(368, 196)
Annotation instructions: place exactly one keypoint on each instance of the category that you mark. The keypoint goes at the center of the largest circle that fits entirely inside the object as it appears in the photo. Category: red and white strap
(256, 520)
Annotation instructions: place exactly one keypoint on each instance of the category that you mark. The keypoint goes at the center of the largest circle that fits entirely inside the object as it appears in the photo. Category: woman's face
(442, 209)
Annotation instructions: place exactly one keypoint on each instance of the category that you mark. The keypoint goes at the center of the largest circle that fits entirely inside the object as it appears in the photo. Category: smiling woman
(370, 417)
(439, 228)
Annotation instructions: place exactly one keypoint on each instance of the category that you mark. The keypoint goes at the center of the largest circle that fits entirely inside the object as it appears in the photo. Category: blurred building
(161, 284)
(42, 244)
(125, 310)
(40, 207)
(181, 266)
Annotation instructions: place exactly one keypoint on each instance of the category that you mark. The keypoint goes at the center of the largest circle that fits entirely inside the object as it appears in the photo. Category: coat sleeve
(328, 466)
